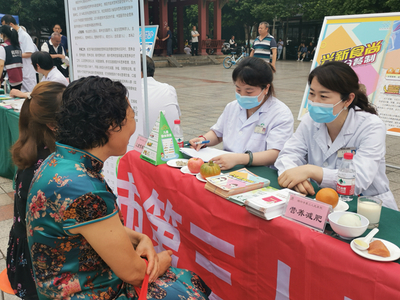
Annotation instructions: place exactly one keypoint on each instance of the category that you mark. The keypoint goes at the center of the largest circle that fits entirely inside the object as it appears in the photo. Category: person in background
(79, 246)
(280, 48)
(187, 49)
(340, 118)
(43, 64)
(302, 52)
(57, 52)
(64, 41)
(27, 47)
(35, 142)
(311, 51)
(232, 43)
(161, 96)
(264, 45)
(256, 125)
(195, 40)
(11, 57)
(169, 41)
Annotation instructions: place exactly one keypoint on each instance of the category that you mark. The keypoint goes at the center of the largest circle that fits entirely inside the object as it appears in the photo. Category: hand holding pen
(198, 143)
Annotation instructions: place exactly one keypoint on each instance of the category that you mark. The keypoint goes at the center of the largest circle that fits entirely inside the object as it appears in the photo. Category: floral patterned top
(69, 191)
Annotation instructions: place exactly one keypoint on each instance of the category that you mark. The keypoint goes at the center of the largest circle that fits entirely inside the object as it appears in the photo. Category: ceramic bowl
(347, 232)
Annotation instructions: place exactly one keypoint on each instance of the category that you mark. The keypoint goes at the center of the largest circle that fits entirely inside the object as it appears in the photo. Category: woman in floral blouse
(79, 247)
(36, 141)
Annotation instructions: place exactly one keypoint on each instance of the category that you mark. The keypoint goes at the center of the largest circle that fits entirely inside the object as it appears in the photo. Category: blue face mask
(248, 102)
(322, 113)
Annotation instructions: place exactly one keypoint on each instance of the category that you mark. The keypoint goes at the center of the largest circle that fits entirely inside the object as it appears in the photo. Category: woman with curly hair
(36, 141)
(79, 246)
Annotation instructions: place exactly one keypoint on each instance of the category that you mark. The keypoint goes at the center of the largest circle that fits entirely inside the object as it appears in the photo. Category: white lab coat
(240, 133)
(366, 132)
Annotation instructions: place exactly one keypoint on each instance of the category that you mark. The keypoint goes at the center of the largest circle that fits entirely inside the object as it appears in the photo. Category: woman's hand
(304, 188)
(290, 178)
(18, 93)
(145, 249)
(193, 141)
(297, 177)
(228, 161)
(164, 258)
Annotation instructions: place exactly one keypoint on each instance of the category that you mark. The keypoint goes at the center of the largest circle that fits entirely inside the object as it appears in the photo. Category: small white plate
(198, 176)
(341, 206)
(185, 170)
(393, 249)
(172, 162)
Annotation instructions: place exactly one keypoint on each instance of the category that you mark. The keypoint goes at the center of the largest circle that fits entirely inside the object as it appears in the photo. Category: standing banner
(104, 39)
(370, 44)
(150, 33)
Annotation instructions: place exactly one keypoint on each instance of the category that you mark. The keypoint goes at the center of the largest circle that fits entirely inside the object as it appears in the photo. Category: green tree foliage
(242, 15)
(36, 15)
(318, 9)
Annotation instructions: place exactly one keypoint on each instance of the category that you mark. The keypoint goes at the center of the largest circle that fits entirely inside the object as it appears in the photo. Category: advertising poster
(370, 44)
(150, 33)
(105, 42)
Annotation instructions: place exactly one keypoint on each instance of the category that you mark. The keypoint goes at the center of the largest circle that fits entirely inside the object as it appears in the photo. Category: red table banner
(239, 255)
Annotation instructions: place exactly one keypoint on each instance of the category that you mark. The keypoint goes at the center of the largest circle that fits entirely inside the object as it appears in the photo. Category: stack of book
(236, 182)
(244, 188)
(267, 204)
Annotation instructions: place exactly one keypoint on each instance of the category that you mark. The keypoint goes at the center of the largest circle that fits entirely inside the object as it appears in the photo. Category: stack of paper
(205, 154)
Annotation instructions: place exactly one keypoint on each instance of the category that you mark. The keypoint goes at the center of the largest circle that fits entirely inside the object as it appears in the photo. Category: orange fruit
(328, 195)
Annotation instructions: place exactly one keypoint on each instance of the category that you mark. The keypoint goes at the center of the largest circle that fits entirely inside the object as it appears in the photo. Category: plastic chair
(5, 285)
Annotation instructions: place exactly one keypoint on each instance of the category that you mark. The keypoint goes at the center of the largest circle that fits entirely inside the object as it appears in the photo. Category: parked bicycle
(231, 60)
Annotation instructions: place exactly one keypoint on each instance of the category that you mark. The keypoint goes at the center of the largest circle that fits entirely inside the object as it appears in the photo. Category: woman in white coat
(340, 119)
(256, 125)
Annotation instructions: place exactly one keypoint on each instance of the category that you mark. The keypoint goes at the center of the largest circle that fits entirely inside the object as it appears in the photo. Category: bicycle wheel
(227, 63)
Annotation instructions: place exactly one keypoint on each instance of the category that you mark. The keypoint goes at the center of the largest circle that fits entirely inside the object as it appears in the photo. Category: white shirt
(311, 144)
(195, 39)
(187, 50)
(28, 72)
(45, 47)
(2, 54)
(240, 134)
(161, 96)
(55, 75)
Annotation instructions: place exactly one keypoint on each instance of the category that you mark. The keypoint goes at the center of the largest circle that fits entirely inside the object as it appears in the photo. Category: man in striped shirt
(264, 45)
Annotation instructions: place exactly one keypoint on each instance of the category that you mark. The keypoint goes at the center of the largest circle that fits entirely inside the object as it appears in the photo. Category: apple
(194, 164)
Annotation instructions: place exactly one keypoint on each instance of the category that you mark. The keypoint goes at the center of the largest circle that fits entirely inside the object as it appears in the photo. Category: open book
(235, 182)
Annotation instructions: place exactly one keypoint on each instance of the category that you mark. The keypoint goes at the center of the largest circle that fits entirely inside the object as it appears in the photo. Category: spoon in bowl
(363, 243)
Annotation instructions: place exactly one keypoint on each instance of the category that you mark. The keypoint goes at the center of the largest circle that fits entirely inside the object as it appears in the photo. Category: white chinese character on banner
(358, 61)
(130, 203)
(166, 234)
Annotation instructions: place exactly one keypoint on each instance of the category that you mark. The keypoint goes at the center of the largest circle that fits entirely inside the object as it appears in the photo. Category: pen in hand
(202, 142)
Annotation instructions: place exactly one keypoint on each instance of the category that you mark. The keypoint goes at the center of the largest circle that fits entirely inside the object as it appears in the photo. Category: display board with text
(104, 39)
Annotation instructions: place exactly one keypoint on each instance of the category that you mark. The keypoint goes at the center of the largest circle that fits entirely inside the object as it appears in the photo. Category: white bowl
(347, 232)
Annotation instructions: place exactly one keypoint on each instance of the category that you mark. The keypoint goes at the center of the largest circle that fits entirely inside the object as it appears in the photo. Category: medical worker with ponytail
(340, 120)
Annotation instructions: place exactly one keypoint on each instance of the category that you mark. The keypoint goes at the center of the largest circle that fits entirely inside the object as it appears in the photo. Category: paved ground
(203, 92)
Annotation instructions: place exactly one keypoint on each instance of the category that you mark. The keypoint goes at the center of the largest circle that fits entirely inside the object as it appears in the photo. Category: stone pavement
(203, 92)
